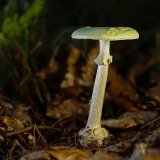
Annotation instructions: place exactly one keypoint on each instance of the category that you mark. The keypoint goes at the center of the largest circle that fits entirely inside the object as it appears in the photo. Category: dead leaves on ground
(58, 153)
(65, 108)
(76, 74)
(141, 152)
(130, 119)
(68, 81)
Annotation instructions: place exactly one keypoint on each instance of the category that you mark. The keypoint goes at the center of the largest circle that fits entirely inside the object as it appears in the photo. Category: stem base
(93, 137)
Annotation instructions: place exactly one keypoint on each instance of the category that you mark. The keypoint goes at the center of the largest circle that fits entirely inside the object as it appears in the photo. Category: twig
(30, 128)
(156, 119)
(44, 140)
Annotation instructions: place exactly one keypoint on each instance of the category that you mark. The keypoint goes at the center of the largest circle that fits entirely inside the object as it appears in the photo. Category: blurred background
(47, 78)
(32, 32)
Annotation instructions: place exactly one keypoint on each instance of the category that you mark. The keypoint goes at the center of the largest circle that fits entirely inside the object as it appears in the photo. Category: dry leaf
(12, 123)
(67, 108)
(151, 155)
(119, 123)
(130, 119)
(141, 117)
(121, 147)
(99, 155)
(37, 155)
(119, 86)
(60, 153)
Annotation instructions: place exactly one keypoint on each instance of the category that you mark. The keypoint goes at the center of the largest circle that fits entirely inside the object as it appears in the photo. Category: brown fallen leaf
(130, 119)
(99, 155)
(11, 123)
(152, 154)
(62, 153)
(36, 155)
(141, 117)
(120, 147)
(119, 123)
(120, 86)
(67, 108)
(121, 92)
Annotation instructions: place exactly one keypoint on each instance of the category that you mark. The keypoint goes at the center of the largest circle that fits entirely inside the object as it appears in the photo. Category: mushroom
(93, 133)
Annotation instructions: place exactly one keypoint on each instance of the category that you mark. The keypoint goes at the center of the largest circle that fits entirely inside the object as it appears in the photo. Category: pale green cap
(106, 33)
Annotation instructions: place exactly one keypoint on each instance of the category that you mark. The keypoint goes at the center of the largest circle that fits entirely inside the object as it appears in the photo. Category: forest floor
(54, 103)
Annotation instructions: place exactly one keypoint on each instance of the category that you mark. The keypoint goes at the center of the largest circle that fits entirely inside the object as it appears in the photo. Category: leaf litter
(47, 129)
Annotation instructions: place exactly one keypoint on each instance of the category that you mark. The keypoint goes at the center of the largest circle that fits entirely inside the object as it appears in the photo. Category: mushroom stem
(103, 60)
(93, 133)
(94, 119)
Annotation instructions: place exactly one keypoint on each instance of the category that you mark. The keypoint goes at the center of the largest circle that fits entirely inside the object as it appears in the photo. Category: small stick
(156, 119)
(28, 129)
(44, 140)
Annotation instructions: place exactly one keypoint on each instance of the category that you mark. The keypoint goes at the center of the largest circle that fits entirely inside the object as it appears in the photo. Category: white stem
(103, 60)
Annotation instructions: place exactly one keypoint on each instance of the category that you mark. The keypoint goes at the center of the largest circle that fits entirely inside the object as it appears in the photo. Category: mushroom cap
(106, 33)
